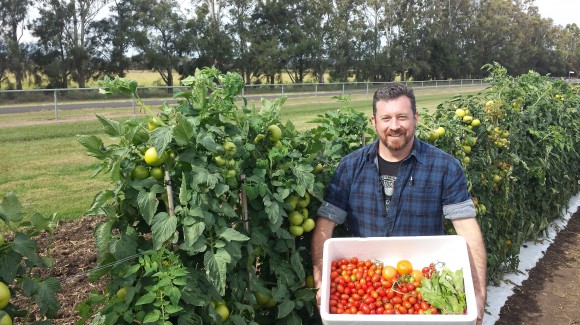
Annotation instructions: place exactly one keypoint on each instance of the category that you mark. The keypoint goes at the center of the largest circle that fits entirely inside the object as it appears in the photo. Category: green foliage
(218, 224)
(19, 256)
(523, 161)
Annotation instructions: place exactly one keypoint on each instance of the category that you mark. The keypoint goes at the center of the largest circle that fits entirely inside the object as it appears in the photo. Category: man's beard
(398, 143)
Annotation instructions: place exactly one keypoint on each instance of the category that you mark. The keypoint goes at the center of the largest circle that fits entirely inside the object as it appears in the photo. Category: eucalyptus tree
(240, 13)
(114, 44)
(214, 41)
(347, 27)
(161, 37)
(13, 14)
(66, 40)
(269, 33)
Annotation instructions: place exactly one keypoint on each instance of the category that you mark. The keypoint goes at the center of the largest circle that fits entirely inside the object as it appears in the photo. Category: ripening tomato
(404, 267)
(389, 272)
(417, 275)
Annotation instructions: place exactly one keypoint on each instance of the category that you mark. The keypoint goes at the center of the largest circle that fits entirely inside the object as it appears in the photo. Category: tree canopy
(368, 40)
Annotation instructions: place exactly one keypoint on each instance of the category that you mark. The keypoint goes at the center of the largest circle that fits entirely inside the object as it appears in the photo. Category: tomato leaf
(126, 245)
(285, 308)
(273, 209)
(9, 265)
(192, 233)
(152, 317)
(297, 265)
(163, 228)
(46, 297)
(11, 208)
(230, 234)
(184, 130)
(28, 248)
(148, 203)
(161, 138)
(94, 145)
(111, 127)
(216, 266)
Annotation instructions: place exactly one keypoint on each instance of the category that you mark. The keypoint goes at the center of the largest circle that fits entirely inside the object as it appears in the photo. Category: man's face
(395, 123)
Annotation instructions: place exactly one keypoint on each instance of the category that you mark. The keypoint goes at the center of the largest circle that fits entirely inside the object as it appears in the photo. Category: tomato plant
(233, 212)
(19, 256)
(520, 152)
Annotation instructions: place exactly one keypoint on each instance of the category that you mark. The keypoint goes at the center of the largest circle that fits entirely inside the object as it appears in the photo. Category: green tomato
(4, 295)
(296, 230)
(310, 281)
(308, 224)
(140, 172)
(219, 161)
(6, 320)
(275, 133)
(318, 168)
(433, 136)
(157, 173)
(440, 131)
(292, 202)
(121, 293)
(223, 311)
(304, 201)
(230, 149)
(153, 158)
(295, 218)
(262, 299)
(259, 138)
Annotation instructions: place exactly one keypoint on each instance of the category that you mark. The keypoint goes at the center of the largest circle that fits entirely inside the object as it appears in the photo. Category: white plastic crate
(420, 251)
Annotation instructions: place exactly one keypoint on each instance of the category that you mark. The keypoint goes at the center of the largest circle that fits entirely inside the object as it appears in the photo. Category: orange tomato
(389, 272)
(404, 267)
(417, 275)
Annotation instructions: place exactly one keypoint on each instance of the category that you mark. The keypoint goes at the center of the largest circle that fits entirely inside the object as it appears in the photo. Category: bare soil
(551, 294)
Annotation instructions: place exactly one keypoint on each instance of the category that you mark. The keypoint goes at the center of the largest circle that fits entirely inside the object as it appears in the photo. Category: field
(42, 161)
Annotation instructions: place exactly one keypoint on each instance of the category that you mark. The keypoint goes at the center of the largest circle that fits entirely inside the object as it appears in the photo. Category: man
(400, 186)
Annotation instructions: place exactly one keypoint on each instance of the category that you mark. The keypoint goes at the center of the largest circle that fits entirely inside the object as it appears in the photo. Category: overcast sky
(561, 11)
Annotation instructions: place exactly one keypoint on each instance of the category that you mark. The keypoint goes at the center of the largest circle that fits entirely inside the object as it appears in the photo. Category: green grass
(50, 172)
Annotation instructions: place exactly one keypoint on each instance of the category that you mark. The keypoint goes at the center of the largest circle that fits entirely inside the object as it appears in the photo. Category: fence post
(282, 89)
(55, 106)
(343, 88)
(367, 88)
(316, 92)
(133, 104)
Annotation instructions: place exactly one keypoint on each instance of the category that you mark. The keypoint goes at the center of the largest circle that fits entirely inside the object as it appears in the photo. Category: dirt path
(551, 294)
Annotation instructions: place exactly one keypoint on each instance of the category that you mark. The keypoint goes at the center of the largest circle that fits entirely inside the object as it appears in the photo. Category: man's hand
(321, 233)
(468, 228)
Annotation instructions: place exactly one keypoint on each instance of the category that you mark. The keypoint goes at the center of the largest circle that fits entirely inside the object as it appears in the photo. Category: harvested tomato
(404, 267)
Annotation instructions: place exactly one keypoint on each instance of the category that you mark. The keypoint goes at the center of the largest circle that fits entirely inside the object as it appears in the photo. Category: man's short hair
(392, 91)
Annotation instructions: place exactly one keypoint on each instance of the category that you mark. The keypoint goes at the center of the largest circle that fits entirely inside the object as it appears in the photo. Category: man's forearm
(321, 233)
(470, 231)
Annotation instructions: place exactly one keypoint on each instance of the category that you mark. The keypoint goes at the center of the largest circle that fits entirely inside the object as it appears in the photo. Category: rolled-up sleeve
(332, 213)
(460, 210)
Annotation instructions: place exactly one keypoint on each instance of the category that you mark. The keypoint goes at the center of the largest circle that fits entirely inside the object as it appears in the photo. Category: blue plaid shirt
(430, 185)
